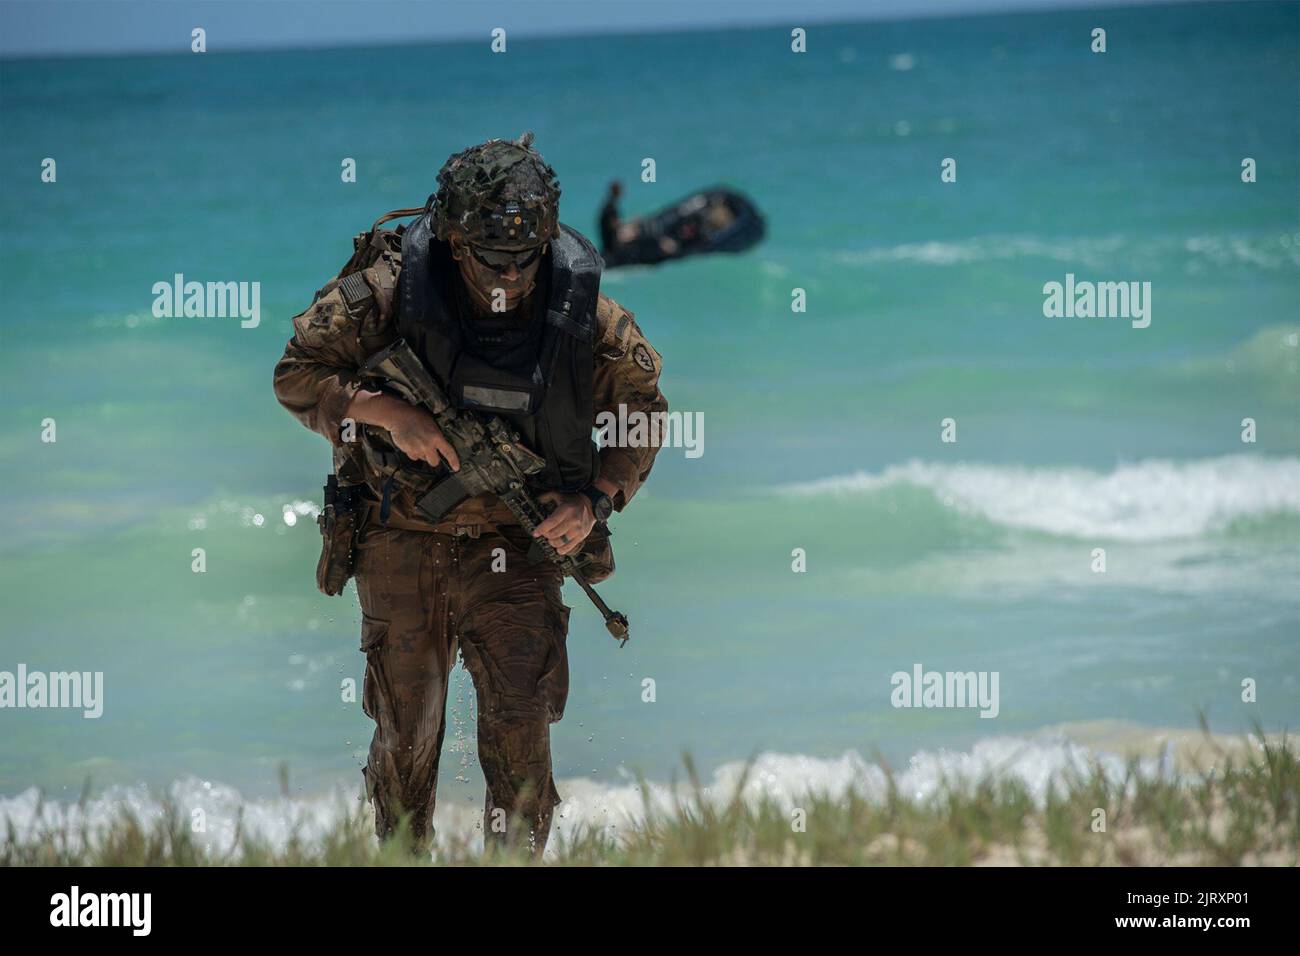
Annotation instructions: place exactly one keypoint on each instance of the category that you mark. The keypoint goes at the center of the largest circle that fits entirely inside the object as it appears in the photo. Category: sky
(70, 27)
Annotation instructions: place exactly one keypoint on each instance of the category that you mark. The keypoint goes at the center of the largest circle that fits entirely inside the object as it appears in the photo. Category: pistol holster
(338, 522)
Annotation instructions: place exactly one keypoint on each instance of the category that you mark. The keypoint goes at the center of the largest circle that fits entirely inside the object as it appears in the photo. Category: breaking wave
(1146, 501)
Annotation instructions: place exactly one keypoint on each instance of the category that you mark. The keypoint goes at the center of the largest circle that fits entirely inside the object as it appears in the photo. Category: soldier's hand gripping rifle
(492, 459)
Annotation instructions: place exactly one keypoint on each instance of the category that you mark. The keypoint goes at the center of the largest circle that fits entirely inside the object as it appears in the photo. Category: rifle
(492, 459)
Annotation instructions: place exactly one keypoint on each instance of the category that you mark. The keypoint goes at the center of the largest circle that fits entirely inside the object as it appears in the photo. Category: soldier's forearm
(376, 408)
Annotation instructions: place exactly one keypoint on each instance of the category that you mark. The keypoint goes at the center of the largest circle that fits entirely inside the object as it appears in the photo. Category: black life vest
(544, 386)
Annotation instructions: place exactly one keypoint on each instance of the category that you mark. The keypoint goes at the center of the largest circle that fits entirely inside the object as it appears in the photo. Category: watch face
(601, 507)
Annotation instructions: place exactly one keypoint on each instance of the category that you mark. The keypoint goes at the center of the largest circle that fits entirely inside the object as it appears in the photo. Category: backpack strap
(369, 245)
(396, 214)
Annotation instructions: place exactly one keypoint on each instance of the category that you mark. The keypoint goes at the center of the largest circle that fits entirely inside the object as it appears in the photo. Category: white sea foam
(1076, 251)
(1146, 501)
(1270, 252)
(1217, 251)
(785, 779)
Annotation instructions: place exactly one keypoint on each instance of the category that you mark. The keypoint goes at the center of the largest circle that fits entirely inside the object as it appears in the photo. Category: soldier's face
(498, 281)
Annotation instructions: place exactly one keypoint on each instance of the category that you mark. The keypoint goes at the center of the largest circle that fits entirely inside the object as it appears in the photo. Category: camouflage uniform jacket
(317, 378)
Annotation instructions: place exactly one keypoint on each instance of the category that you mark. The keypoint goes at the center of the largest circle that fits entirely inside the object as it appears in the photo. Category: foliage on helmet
(500, 194)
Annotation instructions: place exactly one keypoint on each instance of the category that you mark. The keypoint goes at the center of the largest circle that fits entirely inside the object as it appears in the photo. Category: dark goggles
(499, 260)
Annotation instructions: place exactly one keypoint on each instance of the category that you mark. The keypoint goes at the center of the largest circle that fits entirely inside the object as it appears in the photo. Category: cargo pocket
(553, 685)
(375, 699)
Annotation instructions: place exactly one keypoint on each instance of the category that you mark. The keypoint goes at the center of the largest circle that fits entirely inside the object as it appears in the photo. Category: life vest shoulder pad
(575, 282)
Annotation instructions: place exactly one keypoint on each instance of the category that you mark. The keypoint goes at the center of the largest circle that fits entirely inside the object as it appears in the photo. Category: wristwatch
(601, 506)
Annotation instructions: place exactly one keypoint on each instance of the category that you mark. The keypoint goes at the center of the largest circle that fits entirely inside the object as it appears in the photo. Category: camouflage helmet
(500, 194)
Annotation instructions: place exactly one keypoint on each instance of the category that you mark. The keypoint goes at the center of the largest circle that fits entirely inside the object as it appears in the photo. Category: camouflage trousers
(423, 595)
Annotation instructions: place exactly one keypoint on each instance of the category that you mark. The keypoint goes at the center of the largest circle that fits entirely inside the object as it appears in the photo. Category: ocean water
(822, 428)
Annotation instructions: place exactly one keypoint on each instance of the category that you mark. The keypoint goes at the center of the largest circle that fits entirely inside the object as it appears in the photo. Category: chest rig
(537, 376)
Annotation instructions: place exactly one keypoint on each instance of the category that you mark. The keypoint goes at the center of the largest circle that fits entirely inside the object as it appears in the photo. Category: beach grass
(1239, 806)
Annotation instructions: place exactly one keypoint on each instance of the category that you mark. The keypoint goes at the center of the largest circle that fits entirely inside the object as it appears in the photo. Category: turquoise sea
(822, 428)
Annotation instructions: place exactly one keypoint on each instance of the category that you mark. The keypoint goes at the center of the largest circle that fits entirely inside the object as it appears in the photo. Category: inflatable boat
(713, 220)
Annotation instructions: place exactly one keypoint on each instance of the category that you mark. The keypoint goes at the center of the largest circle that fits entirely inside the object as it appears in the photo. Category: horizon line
(997, 8)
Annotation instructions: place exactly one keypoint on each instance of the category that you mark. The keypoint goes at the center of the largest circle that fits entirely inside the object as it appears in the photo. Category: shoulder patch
(325, 320)
(356, 294)
(321, 314)
(641, 355)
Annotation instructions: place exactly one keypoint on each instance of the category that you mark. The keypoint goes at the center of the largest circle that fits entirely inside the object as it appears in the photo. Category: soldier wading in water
(501, 304)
